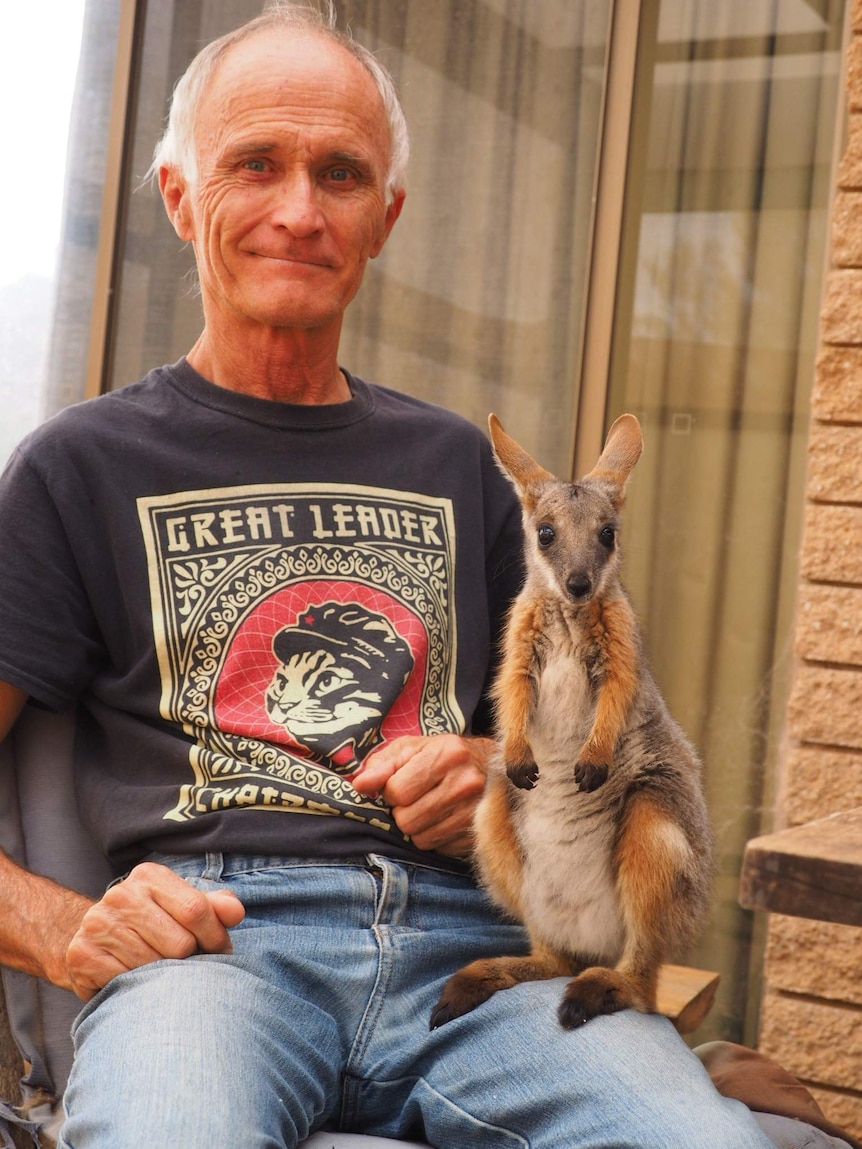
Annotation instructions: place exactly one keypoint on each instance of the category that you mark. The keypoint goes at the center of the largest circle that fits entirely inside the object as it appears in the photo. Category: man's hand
(152, 914)
(432, 785)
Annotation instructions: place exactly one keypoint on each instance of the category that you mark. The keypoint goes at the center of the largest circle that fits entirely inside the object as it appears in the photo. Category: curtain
(714, 351)
(477, 303)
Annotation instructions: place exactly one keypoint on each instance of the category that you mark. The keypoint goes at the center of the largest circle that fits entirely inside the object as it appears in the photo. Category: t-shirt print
(297, 628)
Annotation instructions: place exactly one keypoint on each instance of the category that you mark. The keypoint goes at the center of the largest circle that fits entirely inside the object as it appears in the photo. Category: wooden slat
(811, 871)
(686, 995)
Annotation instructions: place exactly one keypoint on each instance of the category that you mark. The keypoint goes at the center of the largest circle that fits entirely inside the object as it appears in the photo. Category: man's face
(293, 151)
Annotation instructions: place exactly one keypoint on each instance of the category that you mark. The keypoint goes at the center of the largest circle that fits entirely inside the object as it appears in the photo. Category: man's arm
(80, 944)
(37, 918)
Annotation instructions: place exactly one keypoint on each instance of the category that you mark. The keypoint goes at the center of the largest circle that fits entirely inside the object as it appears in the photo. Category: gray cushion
(40, 827)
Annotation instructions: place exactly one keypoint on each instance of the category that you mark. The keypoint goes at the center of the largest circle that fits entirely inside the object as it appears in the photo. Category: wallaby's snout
(579, 584)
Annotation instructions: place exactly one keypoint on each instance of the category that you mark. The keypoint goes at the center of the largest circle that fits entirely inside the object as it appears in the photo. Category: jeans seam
(517, 1139)
(365, 1029)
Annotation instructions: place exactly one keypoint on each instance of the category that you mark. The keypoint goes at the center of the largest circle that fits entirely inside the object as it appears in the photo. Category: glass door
(735, 113)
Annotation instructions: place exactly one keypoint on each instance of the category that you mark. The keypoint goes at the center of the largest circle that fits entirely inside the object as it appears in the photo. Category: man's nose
(297, 207)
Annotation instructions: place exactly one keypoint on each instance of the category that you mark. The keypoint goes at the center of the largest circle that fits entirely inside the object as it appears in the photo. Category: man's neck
(284, 365)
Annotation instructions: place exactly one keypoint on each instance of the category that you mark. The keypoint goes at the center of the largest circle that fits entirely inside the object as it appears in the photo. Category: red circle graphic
(240, 697)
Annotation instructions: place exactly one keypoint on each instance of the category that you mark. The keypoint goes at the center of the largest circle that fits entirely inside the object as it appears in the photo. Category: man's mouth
(293, 258)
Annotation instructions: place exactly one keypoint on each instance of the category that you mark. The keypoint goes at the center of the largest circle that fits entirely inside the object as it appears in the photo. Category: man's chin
(292, 313)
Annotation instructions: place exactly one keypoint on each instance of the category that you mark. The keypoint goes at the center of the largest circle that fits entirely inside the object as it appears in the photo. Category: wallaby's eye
(546, 535)
(607, 537)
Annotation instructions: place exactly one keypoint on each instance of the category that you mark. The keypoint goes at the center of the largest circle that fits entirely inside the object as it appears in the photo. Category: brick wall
(811, 1020)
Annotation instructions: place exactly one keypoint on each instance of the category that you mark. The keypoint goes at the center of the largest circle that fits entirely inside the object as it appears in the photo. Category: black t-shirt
(245, 598)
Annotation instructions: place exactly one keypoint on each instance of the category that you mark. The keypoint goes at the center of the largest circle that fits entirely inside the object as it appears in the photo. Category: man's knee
(186, 1051)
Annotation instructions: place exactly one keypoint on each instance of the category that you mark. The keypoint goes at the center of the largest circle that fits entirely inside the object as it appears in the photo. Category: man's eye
(340, 175)
(255, 165)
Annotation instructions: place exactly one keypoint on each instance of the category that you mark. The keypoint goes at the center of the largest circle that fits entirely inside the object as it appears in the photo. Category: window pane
(476, 301)
(715, 353)
(36, 129)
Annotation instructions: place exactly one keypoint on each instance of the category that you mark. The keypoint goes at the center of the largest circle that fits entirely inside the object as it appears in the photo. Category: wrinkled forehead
(278, 77)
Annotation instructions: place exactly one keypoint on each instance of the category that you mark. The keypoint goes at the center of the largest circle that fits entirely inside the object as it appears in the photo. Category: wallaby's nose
(579, 584)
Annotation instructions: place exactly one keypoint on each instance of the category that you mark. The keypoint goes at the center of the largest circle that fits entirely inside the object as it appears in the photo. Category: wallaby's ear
(521, 467)
(621, 451)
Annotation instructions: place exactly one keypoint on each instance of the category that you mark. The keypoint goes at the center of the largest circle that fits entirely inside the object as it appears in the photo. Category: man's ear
(176, 195)
(392, 213)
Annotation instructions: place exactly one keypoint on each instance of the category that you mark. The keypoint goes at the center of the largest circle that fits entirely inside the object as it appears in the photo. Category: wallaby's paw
(590, 775)
(592, 993)
(524, 776)
(461, 994)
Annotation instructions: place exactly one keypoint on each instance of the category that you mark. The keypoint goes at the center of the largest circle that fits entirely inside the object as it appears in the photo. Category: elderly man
(213, 564)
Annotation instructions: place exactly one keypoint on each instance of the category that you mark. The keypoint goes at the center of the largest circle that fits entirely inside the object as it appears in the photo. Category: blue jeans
(320, 1017)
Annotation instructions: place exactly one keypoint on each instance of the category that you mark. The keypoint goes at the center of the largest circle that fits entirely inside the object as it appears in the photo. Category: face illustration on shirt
(340, 668)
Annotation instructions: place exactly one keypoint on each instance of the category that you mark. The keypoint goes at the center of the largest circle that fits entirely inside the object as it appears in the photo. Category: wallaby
(593, 828)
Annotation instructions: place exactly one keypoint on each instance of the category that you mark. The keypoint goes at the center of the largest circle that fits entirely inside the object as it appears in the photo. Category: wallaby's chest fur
(567, 836)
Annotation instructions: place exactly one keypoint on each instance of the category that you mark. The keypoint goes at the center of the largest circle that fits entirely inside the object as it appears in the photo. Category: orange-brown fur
(614, 633)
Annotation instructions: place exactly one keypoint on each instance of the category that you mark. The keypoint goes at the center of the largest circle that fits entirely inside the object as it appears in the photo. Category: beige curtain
(477, 302)
(715, 349)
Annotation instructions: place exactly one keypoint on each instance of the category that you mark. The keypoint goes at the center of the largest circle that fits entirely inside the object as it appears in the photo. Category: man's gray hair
(177, 149)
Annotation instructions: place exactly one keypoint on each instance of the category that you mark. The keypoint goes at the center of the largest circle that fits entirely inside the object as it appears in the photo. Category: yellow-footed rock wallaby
(593, 828)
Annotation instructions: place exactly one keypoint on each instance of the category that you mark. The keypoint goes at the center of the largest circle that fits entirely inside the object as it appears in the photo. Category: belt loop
(213, 867)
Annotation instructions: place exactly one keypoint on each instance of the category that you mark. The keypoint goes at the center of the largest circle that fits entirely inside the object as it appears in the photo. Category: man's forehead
(289, 61)
(275, 78)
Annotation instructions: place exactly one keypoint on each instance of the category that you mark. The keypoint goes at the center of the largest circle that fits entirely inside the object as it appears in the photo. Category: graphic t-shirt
(246, 598)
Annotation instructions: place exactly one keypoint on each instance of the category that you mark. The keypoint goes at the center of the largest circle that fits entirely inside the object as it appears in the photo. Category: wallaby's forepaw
(524, 775)
(592, 993)
(461, 994)
(590, 775)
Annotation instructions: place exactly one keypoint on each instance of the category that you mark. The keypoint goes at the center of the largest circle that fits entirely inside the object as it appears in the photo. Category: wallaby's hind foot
(481, 979)
(465, 990)
(599, 990)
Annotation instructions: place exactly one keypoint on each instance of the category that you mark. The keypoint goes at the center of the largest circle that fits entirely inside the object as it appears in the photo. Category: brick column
(811, 1020)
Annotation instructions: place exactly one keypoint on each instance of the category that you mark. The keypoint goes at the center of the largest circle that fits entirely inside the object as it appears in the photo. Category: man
(223, 545)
